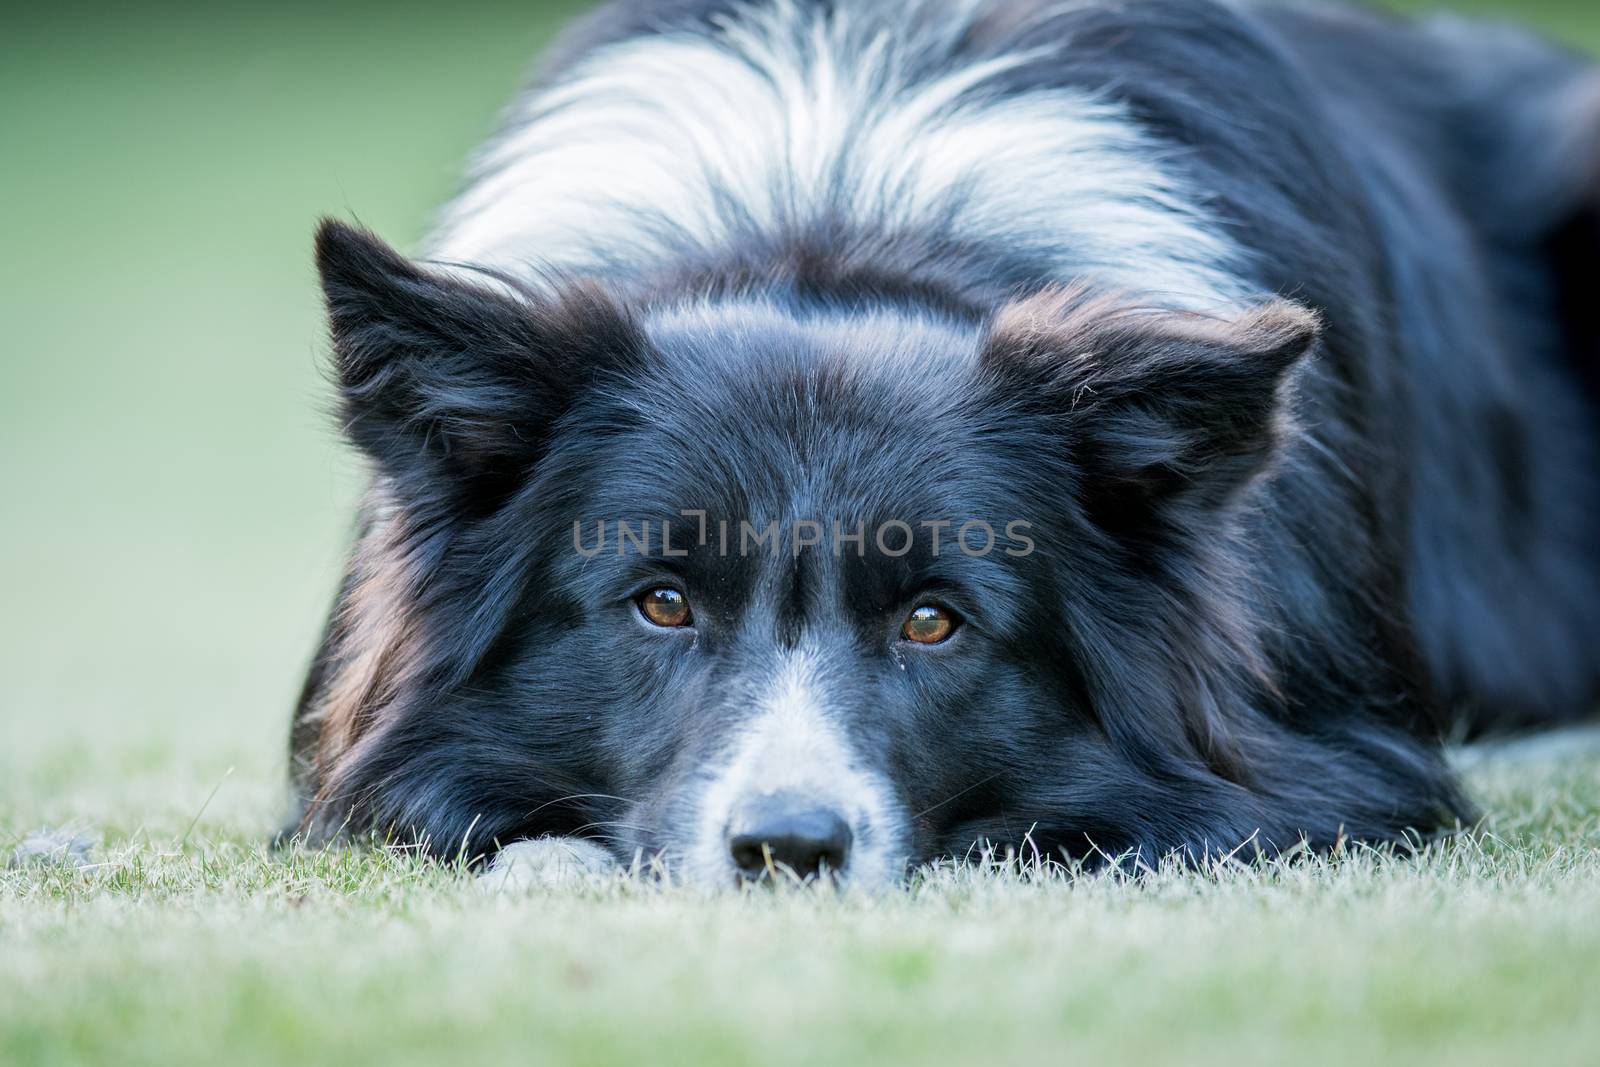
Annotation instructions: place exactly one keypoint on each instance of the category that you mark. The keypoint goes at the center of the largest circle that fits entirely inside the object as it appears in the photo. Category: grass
(175, 507)
(1478, 951)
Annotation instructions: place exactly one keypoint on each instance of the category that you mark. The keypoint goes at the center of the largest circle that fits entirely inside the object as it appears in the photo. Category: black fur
(1277, 557)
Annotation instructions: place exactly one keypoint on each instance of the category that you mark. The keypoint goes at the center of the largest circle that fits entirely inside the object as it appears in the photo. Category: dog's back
(1479, 148)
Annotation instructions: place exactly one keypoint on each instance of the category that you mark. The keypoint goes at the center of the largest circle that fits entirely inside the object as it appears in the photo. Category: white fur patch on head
(791, 745)
(547, 863)
(788, 112)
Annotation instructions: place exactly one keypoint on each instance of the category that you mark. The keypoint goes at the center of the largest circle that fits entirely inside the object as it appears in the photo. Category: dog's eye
(666, 607)
(929, 625)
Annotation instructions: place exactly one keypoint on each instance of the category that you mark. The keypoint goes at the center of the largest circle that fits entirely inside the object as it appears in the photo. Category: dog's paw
(548, 863)
(50, 847)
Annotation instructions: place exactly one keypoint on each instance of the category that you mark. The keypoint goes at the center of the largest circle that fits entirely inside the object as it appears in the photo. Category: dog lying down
(827, 436)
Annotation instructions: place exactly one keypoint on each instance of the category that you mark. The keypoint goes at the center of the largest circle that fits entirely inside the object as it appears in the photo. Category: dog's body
(852, 265)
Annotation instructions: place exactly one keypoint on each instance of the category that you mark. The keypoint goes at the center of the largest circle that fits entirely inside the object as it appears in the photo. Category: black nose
(797, 835)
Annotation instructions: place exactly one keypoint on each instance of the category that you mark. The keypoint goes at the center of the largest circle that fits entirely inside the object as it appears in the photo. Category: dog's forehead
(898, 336)
(804, 464)
(754, 406)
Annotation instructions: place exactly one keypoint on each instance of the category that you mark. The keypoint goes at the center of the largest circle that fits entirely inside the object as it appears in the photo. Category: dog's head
(753, 583)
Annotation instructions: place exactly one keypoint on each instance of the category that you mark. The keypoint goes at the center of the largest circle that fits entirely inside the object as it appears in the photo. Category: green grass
(1483, 950)
(175, 507)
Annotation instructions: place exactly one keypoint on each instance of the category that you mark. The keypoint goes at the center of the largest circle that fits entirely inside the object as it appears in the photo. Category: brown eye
(666, 607)
(929, 625)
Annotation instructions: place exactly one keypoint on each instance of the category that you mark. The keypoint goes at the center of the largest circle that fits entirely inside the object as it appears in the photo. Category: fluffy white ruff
(781, 116)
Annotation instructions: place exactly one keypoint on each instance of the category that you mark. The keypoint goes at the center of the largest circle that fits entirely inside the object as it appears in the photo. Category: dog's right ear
(452, 384)
(449, 385)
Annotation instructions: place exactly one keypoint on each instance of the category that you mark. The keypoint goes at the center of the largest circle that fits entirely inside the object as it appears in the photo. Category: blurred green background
(175, 500)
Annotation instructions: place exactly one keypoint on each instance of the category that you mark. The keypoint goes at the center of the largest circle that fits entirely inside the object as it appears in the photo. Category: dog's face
(841, 604)
(746, 587)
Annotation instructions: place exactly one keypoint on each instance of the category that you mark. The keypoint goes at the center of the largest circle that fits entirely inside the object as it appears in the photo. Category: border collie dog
(832, 434)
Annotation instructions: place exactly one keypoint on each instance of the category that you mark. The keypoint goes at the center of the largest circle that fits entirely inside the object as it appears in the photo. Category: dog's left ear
(1159, 408)
(451, 386)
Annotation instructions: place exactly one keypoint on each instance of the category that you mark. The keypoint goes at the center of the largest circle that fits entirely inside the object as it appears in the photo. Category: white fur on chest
(679, 143)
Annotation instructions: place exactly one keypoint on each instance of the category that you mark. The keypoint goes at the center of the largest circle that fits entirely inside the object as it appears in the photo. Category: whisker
(575, 796)
(611, 822)
(955, 795)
